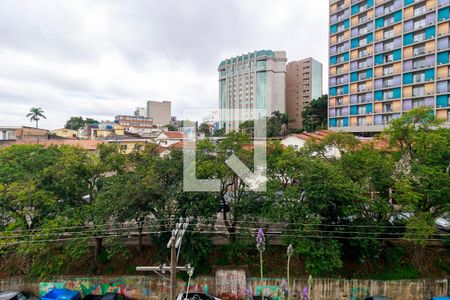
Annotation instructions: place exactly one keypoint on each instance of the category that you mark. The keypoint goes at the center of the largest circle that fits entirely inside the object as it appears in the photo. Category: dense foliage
(330, 207)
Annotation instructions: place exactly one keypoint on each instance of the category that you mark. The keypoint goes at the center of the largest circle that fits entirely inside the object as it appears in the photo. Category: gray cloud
(99, 58)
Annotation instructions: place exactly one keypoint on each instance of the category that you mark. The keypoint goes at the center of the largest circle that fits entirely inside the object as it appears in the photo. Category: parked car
(107, 296)
(377, 298)
(443, 223)
(17, 295)
(196, 296)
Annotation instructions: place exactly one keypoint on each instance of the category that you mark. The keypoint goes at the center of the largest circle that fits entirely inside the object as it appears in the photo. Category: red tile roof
(174, 134)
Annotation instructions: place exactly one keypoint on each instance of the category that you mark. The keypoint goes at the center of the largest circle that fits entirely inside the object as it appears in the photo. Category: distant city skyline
(100, 58)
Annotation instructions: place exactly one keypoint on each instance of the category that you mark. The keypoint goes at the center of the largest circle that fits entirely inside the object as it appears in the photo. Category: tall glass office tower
(387, 57)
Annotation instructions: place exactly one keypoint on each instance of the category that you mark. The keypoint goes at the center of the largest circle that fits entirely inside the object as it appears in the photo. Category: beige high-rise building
(255, 80)
(160, 112)
(303, 84)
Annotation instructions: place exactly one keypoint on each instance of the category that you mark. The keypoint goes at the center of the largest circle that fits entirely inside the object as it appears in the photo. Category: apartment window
(419, 63)
(340, 70)
(420, 23)
(389, 46)
(386, 119)
(363, 17)
(419, 50)
(418, 37)
(361, 121)
(387, 107)
(361, 87)
(362, 76)
(420, 10)
(390, 20)
(389, 58)
(362, 110)
(389, 70)
(418, 103)
(361, 98)
(388, 33)
(388, 82)
(363, 30)
(388, 95)
(339, 101)
(419, 77)
(418, 91)
(362, 53)
(339, 112)
(389, 8)
(362, 65)
(339, 123)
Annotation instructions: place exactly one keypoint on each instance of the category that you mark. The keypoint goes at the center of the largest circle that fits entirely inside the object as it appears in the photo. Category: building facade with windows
(254, 80)
(159, 112)
(303, 84)
(387, 57)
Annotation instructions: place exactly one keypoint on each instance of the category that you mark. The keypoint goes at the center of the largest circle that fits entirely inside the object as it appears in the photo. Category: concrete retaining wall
(155, 288)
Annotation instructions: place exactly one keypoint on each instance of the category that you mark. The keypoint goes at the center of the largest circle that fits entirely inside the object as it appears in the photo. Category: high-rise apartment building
(160, 112)
(254, 80)
(387, 57)
(303, 84)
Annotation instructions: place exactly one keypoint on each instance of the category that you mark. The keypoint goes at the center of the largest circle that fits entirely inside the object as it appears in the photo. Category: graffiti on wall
(230, 283)
(130, 287)
(271, 291)
(358, 293)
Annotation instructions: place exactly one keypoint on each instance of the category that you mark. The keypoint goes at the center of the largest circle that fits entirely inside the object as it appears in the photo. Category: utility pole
(173, 244)
(173, 268)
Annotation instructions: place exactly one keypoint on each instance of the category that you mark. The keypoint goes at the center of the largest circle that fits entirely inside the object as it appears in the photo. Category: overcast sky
(99, 58)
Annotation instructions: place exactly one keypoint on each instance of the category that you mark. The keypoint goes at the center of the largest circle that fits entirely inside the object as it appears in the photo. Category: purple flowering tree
(261, 246)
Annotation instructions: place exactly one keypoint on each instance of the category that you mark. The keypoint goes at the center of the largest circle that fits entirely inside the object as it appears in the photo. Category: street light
(190, 272)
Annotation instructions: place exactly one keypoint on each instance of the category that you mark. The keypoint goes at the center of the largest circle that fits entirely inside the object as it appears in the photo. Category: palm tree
(35, 114)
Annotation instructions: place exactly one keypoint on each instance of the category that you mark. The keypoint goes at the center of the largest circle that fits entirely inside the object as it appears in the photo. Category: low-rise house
(298, 141)
(168, 138)
(8, 133)
(64, 133)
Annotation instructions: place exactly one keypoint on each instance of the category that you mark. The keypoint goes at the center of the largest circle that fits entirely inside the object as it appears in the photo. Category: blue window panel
(379, 22)
(430, 32)
(379, 59)
(354, 76)
(397, 54)
(369, 3)
(355, 43)
(408, 2)
(370, 38)
(397, 93)
(369, 108)
(345, 89)
(407, 78)
(444, 14)
(408, 39)
(345, 122)
(397, 16)
(347, 23)
(333, 28)
(378, 95)
(346, 56)
(429, 74)
(333, 91)
(332, 122)
(355, 9)
(442, 101)
(353, 110)
(333, 60)
(442, 58)
(369, 73)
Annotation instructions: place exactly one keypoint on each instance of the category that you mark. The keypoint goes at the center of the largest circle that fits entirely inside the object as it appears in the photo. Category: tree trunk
(98, 247)
(141, 246)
